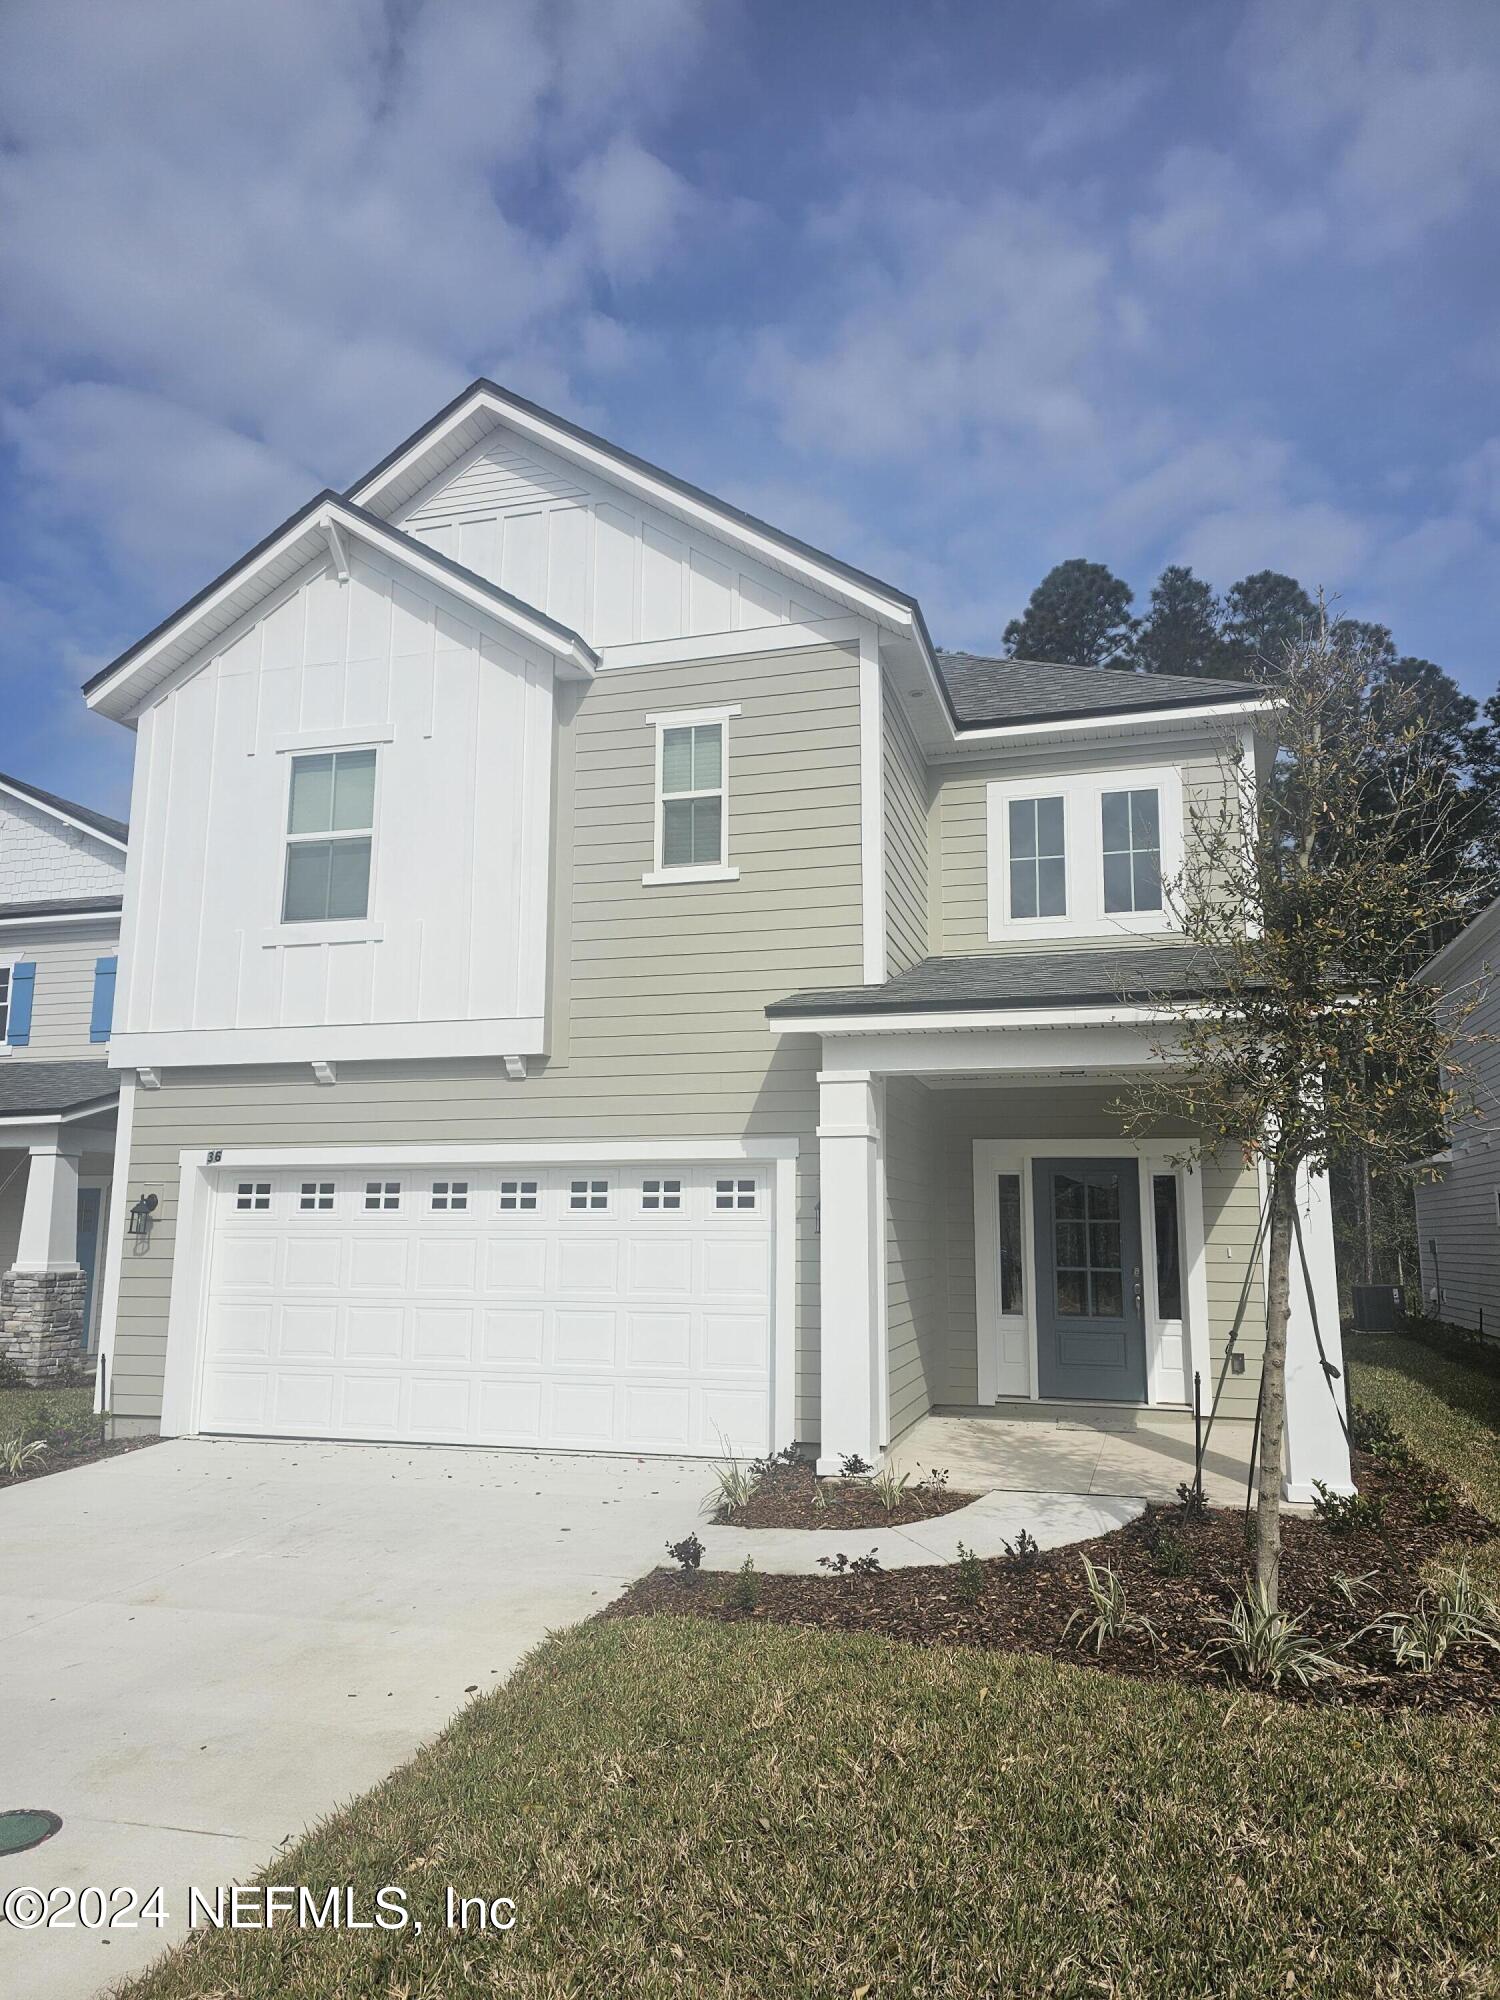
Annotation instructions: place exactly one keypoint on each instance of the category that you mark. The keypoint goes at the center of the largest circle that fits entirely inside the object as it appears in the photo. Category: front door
(1090, 1332)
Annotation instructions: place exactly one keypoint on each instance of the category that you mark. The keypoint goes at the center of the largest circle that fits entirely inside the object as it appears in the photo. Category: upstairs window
(1038, 858)
(1132, 850)
(692, 796)
(330, 826)
(4, 1001)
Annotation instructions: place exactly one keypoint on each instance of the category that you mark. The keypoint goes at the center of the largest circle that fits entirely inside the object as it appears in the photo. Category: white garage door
(581, 1308)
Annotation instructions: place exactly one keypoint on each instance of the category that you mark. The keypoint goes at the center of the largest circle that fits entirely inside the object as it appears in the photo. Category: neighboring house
(595, 978)
(62, 877)
(1458, 1213)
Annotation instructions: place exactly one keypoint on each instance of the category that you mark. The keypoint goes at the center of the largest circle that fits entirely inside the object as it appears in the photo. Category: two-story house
(595, 977)
(62, 878)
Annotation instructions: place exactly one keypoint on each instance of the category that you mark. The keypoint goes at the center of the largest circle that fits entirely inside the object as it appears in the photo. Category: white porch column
(1315, 1446)
(49, 1220)
(851, 1247)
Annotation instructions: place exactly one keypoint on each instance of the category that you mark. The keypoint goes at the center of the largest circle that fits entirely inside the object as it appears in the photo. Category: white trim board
(1007, 1354)
(199, 1168)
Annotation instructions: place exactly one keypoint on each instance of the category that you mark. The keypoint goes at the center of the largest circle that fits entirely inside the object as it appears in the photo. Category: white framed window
(692, 797)
(734, 1194)
(253, 1195)
(661, 1194)
(517, 1195)
(1086, 854)
(4, 1003)
(316, 1195)
(382, 1194)
(588, 1194)
(330, 829)
(450, 1195)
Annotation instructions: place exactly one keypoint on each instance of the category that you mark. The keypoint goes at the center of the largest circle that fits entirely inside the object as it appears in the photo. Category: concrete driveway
(204, 1646)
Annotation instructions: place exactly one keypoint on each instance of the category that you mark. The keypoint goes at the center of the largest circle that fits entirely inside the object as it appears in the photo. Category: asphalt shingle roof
(1096, 976)
(999, 691)
(40, 1089)
(116, 829)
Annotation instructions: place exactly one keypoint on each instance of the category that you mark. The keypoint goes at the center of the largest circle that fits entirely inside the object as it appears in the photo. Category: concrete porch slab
(1147, 1461)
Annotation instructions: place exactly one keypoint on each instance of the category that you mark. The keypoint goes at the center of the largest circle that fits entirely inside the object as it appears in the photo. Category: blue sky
(955, 289)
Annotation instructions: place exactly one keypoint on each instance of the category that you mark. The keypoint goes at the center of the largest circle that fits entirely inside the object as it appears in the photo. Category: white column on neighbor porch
(851, 1246)
(1315, 1443)
(49, 1219)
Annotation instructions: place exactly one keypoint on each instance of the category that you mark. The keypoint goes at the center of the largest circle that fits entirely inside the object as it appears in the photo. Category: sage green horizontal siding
(906, 865)
(961, 839)
(658, 1024)
(62, 1000)
(1230, 1216)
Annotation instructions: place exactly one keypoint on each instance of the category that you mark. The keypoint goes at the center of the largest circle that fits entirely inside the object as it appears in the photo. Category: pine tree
(1078, 615)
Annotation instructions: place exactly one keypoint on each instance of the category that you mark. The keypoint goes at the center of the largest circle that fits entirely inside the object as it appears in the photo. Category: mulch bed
(1026, 1607)
(63, 1454)
(783, 1498)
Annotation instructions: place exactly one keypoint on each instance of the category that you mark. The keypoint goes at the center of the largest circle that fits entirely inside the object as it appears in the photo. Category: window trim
(5, 969)
(660, 875)
(314, 928)
(1082, 794)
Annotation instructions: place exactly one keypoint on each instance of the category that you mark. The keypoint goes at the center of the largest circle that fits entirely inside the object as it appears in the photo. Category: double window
(1082, 856)
(330, 827)
(692, 797)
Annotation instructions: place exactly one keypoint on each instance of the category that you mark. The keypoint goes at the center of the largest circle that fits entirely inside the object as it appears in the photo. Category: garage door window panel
(382, 1195)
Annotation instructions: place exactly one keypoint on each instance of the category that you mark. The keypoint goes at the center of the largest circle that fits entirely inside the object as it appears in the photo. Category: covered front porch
(1004, 1264)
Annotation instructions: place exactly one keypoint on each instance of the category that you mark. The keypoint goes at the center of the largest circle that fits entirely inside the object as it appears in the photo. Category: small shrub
(1269, 1646)
(852, 1466)
(1437, 1506)
(744, 1592)
(43, 1421)
(688, 1555)
(1455, 1612)
(774, 1462)
(1023, 1552)
(1113, 1617)
(889, 1490)
(1170, 1554)
(1348, 1588)
(20, 1454)
(1192, 1501)
(821, 1495)
(935, 1482)
(1374, 1431)
(968, 1585)
(733, 1485)
(1343, 1513)
(842, 1565)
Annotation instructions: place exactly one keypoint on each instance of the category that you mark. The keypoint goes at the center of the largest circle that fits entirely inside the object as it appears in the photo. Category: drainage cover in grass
(27, 1827)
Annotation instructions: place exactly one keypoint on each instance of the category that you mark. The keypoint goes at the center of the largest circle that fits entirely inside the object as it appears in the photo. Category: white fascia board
(364, 1041)
(1178, 719)
(106, 917)
(304, 539)
(504, 1152)
(722, 524)
(57, 812)
(975, 1020)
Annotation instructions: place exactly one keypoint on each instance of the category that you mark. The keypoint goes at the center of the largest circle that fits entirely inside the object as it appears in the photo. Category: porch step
(1087, 1416)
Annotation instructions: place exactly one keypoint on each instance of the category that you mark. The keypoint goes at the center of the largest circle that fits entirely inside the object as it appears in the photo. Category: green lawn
(1447, 1410)
(688, 1809)
(19, 1408)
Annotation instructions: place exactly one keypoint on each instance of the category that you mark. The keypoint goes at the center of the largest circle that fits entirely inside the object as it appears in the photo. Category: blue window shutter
(22, 985)
(104, 999)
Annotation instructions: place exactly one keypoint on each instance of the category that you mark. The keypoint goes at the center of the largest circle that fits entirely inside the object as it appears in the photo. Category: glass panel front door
(1090, 1319)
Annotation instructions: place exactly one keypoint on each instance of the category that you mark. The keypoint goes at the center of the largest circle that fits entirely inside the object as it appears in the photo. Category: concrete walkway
(208, 1644)
(985, 1526)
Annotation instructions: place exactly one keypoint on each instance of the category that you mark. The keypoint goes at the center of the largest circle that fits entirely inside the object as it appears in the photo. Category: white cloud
(632, 207)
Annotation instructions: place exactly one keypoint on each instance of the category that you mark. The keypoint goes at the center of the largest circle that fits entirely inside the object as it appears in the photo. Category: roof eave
(116, 690)
(19, 790)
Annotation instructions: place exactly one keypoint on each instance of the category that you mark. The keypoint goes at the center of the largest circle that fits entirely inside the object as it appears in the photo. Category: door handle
(1140, 1299)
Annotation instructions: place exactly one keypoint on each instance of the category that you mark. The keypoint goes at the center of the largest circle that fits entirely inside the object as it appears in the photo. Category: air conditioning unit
(1377, 1308)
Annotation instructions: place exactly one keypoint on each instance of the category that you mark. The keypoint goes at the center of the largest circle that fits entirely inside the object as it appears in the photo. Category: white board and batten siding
(1458, 1212)
(607, 565)
(452, 954)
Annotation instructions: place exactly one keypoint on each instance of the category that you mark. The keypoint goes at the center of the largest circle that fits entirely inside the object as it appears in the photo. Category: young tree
(1310, 906)
(1078, 614)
